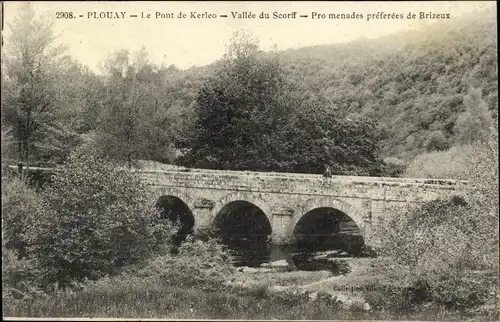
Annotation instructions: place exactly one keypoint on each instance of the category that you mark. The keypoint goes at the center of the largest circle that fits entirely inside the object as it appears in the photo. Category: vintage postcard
(257, 160)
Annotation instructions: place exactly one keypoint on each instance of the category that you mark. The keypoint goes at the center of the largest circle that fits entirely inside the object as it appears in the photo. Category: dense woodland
(347, 105)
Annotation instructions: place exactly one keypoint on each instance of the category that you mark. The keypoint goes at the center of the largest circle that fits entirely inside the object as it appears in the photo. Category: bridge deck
(283, 175)
(254, 174)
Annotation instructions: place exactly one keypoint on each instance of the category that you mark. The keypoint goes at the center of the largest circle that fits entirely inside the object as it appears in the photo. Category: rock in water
(250, 270)
(313, 296)
(281, 263)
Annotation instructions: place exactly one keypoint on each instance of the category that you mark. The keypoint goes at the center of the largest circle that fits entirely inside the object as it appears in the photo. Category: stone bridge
(286, 198)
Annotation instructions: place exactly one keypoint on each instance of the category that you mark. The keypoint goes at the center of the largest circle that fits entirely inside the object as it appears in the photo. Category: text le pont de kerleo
(264, 15)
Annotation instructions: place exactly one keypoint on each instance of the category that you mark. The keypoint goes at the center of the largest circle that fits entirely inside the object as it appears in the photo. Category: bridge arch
(242, 216)
(334, 203)
(241, 196)
(178, 193)
(324, 223)
(175, 205)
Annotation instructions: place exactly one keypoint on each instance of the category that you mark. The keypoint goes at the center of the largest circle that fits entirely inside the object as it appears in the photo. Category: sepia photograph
(250, 160)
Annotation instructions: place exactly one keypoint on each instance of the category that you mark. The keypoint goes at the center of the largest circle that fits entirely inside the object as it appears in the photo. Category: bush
(442, 245)
(387, 297)
(462, 292)
(438, 243)
(477, 162)
(452, 245)
(96, 219)
(393, 167)
(474, 123)
(19, 278)
(20, 207)
(204, 264)
(436, 141)
(417, 230)
(450, 164)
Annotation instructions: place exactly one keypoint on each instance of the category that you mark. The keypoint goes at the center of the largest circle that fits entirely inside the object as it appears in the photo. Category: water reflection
(255, 252)
(246, 230)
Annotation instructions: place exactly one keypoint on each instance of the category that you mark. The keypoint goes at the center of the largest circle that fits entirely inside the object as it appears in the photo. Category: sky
(187, 42)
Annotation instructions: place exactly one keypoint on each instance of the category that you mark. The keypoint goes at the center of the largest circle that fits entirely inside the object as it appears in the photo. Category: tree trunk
(19, 137)
(19, 150)
(26, 150)
(27, 134)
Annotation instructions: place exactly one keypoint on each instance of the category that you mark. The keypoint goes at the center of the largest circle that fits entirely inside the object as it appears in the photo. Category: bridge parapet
(375, 188)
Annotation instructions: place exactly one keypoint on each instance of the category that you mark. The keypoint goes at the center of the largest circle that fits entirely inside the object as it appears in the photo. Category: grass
(293, 278)
(132, 297)
(180, 289)
(151, 298)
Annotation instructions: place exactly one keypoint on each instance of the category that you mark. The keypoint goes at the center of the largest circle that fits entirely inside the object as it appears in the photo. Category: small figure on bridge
(328, 172)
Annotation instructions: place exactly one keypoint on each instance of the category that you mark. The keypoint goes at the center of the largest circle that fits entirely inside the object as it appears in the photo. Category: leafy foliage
(236, 110)
(7, 143)
(431, 94)
(20, 278)
(20, 207)
(204, 264)
(249, 119)
(441, 252)
(404, 95)
(28, 87)
(452, 245)
(451, 164)
(474, 124)
(96, 218)
(130, 123)
(436, 141)
(317, 137)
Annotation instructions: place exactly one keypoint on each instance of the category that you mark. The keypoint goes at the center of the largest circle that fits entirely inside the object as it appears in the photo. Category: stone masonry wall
(388, 189)
(285, 198)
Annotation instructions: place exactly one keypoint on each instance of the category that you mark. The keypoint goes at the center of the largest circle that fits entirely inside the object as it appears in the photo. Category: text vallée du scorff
(263, 15)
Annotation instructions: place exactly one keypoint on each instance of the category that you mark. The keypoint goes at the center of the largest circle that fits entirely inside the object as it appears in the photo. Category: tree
(320, 136)
(251, 116)
(20, 206)
(7, 142)
(436, 141)
(80, 95)
(475, 122)
(28, 104)
(130, 123)
(237, 110)
(95, 218)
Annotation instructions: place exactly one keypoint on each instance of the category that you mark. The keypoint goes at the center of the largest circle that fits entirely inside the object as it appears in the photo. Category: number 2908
(64, 15)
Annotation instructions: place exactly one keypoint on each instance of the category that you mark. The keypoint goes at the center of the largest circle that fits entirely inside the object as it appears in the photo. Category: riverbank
(249, 294)
(347, 288)
(134, 297)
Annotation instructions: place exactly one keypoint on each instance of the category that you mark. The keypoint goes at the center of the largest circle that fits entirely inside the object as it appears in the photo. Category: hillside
(412, 83)
(411, 87)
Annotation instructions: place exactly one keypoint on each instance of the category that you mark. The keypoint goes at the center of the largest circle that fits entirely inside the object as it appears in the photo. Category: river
(253, 253)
